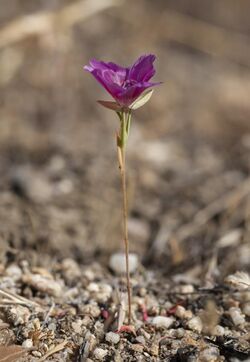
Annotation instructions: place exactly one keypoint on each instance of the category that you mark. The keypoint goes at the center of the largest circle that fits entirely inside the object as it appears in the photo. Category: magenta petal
(117, 72)
(110, 86)
(143, 69)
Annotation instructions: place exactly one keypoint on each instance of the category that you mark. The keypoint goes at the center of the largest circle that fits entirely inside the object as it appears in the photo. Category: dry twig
(53, 350)
(15, 299)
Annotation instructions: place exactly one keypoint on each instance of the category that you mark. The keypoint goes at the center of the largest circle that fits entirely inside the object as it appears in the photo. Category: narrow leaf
(140, 101)
(110, 105)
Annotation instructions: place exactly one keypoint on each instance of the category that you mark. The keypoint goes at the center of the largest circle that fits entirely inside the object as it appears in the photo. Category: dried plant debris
(172, 320)
(11, 353)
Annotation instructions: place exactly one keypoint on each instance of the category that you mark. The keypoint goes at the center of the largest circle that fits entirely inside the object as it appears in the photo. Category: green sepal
(142, 99)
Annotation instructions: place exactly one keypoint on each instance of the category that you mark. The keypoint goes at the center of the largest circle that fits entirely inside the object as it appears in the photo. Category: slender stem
(122, 163)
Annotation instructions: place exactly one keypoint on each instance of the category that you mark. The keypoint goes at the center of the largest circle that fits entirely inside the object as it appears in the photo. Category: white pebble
(36, 354)
(100, 353)
(237, 317)
(14, 272)
(117, 263)
(182, 313)
(195, 324)
(43, 284)
(161, 321)
(93, 287)
(188, 288)
(112, 337)
(27, 343)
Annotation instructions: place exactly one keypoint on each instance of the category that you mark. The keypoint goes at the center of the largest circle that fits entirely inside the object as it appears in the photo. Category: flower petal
(143, 70)
(118, 73)
(106, 82)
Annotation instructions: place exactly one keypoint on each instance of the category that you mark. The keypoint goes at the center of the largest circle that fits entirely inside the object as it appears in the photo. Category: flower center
(128, 83)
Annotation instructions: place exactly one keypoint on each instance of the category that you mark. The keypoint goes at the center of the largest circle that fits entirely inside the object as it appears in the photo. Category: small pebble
(19, 315)
(177, 333)
(72, 293)
(99, 330)
(237, 317)
(89, 274)
(102, 292)
(71, 270)
(137, 348)
(91, 309)
(100, 354)
(86, 321)
(188, 288)
(27, 343)
(141, 340)
(117, 263)
(112, 337)
(142, 292)
(93, 287)
(77, 326)
(209, 354)
(43, 284)
(154, 349)
(182, 313)
(161, 321)
(36, 354)
(52, 326)
(14, 272)
(195, 324)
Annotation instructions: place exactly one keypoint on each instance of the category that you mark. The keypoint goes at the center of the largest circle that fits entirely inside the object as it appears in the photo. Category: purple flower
(124, 84)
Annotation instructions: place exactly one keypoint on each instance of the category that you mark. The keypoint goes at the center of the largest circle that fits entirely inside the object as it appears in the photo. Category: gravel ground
(72, 312)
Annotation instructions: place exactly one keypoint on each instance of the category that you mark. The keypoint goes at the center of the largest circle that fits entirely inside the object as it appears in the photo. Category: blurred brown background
(188, 155)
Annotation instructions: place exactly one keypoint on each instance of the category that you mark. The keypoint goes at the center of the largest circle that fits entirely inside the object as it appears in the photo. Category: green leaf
(128, 123)
(110, 105)
(124, 135)
(140, 101)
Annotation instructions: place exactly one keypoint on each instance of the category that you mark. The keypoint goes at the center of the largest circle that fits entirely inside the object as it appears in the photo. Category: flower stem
(122, 167)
